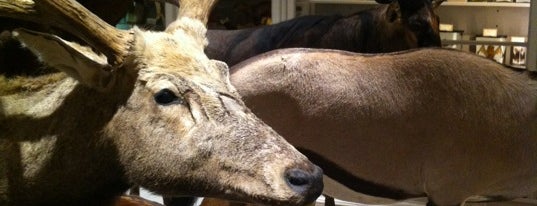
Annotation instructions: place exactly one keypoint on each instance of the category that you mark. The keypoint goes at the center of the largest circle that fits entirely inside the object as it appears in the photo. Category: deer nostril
(308, 184)
(296, 177)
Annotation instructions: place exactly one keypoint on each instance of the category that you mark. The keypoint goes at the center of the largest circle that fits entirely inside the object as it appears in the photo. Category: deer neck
(65, 119)
(60, 103)
(35, 96)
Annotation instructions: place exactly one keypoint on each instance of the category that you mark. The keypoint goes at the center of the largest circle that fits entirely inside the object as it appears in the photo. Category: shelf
(487, 4)
(342, 1)
(473, 42)
(469, 4)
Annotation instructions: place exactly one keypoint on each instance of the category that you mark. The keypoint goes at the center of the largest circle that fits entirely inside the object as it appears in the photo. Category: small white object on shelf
(446, 27)
(490, 32)
(518, 53)
(451, 35)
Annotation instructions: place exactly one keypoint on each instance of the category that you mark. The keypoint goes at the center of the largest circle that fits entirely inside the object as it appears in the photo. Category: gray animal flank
(436, 123)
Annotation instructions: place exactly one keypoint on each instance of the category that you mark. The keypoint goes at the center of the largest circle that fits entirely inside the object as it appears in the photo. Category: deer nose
(307, 184)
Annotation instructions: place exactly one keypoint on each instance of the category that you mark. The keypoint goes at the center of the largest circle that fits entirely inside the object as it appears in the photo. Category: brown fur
(27, 84)
(432, 122)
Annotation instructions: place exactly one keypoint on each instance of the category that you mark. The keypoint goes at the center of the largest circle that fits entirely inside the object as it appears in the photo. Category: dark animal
(135, 107)
(402, 24)
(432, 122)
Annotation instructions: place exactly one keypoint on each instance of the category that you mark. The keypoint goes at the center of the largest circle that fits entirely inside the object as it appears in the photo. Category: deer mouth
(304, 186)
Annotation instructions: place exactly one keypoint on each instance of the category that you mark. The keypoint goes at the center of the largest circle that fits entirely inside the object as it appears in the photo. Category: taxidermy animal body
(394, 26)
(439, 123)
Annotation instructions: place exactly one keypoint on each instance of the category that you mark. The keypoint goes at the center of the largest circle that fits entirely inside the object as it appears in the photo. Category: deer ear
(79, 62)
(436, 3)
(394, 12)
(221, 67)
(223, 71)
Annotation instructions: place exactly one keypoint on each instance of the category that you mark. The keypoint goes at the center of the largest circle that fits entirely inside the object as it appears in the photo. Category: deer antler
(196, 9)
(71, 17)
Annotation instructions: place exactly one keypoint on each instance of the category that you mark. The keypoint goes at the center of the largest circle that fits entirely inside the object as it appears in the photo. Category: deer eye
(167, 97)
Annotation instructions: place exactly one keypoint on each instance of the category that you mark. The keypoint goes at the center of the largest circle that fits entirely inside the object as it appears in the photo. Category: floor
(412, 202)
(422, 201)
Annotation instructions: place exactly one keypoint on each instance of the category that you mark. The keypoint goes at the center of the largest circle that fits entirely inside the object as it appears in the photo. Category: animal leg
(134, 190)
(432, 203)
(329, 201)
(179, 201)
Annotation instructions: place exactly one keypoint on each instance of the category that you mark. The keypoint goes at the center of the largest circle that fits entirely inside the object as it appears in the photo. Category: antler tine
(72, 17)
(196, 9)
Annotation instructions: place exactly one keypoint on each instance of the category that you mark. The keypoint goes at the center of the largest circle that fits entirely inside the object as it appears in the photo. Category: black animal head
(414, 19)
